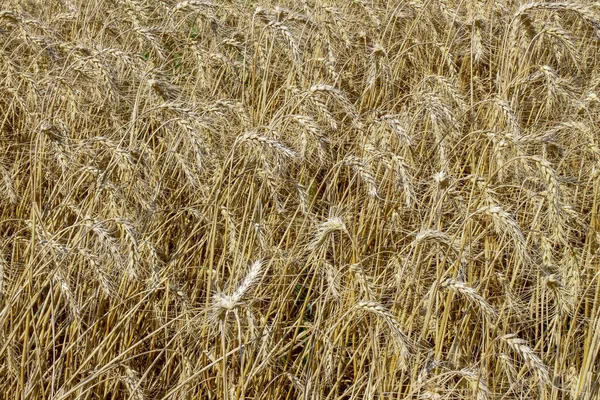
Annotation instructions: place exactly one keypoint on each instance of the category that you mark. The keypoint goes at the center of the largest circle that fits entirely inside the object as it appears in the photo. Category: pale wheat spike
(61, 281)
(509, 116)
(303, 197)
(337, 94)
(132, 382)
(193, 5)
(395, 123)
(524, 20)
(536, 365)
(433, 235)
(233, 43)
(377, 66)
(331, 225)
(223, 302)
(448, 58)
(309, 125)
(404, 342)
(97, 227)
(479, 55)
(287, 35)
(368, 9)
(586, 13)
(297, 383)
(503, 221)
(331, 358)
(551, 181)
(100, 273)
(165, 90)
(365, 173)
(399, 167)
(255, 139)
(10, 16)
(570, 270)
(363, 281)
(330, 62)
(471, 294)
(126, 58)
(292, 16)
(431, 394)
(9, 188)
(235, 108)
(324, 113)
(3, 272)
(477, 381)
(231, 228)
(332, 279)
(449, 87)
(250, 280)
(558, 291)
(563, 36)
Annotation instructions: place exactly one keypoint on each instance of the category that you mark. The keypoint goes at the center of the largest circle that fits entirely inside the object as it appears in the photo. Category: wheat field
(315, 199)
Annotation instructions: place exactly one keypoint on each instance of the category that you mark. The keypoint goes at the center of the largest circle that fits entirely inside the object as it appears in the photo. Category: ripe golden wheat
(299, 199)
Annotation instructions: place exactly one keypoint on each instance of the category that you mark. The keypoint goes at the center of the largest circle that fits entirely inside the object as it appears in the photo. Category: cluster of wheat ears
(345, 199)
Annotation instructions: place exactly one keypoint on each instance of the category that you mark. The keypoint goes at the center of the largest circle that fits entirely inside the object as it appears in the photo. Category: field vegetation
(342, 199)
